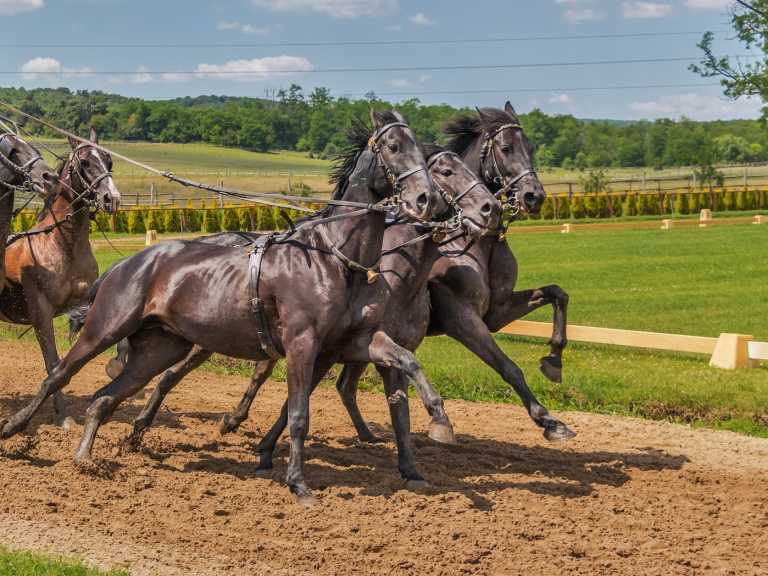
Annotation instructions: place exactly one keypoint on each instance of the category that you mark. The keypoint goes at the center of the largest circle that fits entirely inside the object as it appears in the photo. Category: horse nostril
(50, 177)
(422, 201)
(530, 199)
(486, 209)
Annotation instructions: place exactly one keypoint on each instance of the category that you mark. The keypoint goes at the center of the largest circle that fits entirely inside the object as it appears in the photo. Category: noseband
(508, 189)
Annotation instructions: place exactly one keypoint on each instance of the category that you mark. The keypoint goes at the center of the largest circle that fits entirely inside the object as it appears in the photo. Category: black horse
(304, 297)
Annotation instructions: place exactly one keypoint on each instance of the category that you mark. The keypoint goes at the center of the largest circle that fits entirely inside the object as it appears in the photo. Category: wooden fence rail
(728, 351)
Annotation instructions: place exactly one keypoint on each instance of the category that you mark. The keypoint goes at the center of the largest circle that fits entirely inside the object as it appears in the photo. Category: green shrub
(681, 203)
(617, 206)
(121, 221)
(631, 201)
(563, 206)
(666, 204)
(230, 221)
(154, 221)
(172, 221)
(695, 204)
(578, 209)
(590, 206)
(136, 222)
(602, 206)
(548, 209)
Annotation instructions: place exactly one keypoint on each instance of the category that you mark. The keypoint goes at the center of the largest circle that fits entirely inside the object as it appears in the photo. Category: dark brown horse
(472, 289)
(50, 267)
(308, 298)
(21, 167)
(405, 266)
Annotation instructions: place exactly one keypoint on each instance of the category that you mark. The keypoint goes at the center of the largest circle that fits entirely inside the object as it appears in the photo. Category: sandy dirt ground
(624, 497)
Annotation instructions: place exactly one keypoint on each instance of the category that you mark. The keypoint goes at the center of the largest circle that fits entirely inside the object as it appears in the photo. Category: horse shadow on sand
(475, 467)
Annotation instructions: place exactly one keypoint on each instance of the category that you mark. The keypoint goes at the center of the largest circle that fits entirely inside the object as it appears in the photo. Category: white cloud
(421, 19)
(399, 83)
(708, 4)
(639, 10)
(243, 28)
(51, 68)
(335, 8)
(696, 107)
(257, 68)
(580, 11)
(10, 7)
(562, 99)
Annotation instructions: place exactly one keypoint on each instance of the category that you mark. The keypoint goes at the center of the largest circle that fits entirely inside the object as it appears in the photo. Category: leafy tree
(750, 22)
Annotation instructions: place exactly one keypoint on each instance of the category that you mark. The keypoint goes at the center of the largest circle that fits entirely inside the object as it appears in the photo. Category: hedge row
(630, 204)
(210, 220)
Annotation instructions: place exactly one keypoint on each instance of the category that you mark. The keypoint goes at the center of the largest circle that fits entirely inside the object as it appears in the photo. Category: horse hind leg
(232, 421)
(152, 352)
(116, 365)
(346, 386)
(168, 382)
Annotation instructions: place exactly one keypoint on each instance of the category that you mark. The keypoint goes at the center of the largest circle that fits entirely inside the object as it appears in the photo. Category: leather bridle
(76, 169)
(23, 170)
(395, 180)
(508, 190)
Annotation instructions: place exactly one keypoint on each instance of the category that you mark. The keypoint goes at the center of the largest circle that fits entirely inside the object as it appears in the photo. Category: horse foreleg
(267, 445)
(346, 386)
(232, 421)
(463, 324)
(383, 351)
(41, 313)
(519, 304)
(168, 382)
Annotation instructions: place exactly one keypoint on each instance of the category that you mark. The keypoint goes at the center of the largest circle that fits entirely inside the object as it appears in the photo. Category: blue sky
(46, 27)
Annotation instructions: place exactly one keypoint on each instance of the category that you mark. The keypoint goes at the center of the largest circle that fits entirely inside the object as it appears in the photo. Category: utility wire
(426, 68)
(403, 42)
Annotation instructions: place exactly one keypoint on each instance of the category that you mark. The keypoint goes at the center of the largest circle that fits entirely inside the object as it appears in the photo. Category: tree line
(316, 122)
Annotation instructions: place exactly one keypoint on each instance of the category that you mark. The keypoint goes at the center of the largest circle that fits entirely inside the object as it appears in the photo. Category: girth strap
(257, 304)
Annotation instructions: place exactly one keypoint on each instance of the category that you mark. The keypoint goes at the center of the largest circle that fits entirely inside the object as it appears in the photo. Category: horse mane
(345, 161)
(49, 200)
(464, 130)
(430, 149)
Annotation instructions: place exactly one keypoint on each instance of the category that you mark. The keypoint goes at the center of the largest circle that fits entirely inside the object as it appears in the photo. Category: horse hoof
(370, 438)
(552, 369)
(67, 423)
(114, 368)
(306, 500)
(442, 433)
(225, 427)
(130, 445)
(559, 433)
(416, 485)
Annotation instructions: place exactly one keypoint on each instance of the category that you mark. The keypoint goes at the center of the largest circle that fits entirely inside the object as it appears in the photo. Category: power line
(401, 42)
(430, 68)
(534, 90)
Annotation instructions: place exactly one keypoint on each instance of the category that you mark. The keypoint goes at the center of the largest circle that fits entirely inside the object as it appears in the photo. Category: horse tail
(78, 314)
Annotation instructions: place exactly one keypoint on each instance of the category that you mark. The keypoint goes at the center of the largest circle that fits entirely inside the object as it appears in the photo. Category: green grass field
(687, 281)
(14, 563)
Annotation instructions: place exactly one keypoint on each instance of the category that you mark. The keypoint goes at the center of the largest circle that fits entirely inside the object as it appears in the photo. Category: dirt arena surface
(624, 497)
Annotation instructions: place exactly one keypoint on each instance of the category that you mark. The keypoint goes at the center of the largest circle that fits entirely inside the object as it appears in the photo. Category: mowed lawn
(687, 281)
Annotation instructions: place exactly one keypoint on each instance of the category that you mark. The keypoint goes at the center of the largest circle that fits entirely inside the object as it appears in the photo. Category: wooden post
(666, 224)
(567, 228)
(152, 198)
(746, 178)
(151, 238)
(570, 191)
(705, 216)
(760, 219)
(732, 352)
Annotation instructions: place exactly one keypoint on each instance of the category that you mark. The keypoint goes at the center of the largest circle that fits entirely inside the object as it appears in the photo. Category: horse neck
(6, 215)
(359, 237)
(72, 222)
(411, 265)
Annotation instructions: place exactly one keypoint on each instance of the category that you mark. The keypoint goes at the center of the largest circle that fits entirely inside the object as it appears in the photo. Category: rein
(23, 170)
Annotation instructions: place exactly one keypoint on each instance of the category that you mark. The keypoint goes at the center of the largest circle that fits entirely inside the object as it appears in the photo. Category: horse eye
(506, 149)
(392, 147)
(85, 163)
(447, 172)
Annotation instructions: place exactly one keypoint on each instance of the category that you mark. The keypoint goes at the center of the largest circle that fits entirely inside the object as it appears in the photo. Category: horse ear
(483, 117)
(509, 109)
(376, 119)
(93, 137)
(73, 143)
(400, 117)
